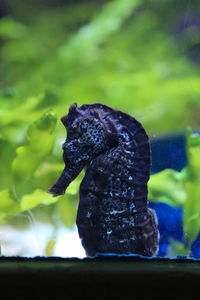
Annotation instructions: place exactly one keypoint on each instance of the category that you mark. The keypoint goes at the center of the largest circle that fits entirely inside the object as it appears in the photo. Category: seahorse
(113, 147)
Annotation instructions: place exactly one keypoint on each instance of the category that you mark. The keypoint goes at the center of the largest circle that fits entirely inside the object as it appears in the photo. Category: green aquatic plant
(30, 169)
(21, 192)
(120, 55)
(182, 189)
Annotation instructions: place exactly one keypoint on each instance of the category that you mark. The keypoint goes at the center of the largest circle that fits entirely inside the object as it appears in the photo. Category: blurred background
(139, 56)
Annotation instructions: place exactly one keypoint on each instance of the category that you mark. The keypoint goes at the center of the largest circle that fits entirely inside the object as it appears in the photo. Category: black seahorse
(113, 214)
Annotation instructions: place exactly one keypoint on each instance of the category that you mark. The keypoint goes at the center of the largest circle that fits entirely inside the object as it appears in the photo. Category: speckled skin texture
(113, 214)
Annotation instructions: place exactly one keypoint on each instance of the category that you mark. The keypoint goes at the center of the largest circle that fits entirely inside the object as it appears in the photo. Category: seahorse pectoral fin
(67, 176)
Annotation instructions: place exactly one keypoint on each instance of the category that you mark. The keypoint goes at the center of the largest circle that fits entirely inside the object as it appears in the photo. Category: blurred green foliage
(120, 53)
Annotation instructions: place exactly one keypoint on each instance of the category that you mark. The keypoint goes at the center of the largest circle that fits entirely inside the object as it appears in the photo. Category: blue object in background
(170, 152)
(169, 225)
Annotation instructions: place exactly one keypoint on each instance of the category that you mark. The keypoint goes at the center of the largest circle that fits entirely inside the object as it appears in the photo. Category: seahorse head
(88, 133)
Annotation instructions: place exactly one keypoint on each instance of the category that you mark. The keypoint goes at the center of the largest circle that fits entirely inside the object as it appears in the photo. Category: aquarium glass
(138, 56)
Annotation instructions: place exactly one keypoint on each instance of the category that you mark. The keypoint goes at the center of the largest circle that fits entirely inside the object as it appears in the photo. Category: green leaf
(48, 100)
(191, 215)
(9, 207)
(7, 153)
(9, 28)
(89, 37)
(177, 248)
(49, 250)
(167, 187)
(193, 153)
(37, 197)
(67, 210)
(39, 144)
